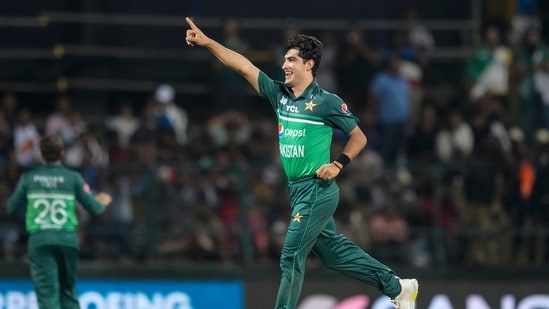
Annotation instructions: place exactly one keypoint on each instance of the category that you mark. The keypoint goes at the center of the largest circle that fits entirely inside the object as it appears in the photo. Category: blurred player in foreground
(307, 115)
(48, 194)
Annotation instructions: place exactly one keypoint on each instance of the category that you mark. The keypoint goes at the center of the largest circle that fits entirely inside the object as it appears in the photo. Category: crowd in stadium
(465, 174)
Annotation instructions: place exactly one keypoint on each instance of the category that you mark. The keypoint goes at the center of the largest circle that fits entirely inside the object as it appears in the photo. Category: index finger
(191, 23)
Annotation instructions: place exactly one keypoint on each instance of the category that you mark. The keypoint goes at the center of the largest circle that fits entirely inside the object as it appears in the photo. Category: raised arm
(229, 58)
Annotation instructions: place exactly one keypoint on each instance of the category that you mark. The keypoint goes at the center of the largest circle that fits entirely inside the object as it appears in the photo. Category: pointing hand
(195, 36)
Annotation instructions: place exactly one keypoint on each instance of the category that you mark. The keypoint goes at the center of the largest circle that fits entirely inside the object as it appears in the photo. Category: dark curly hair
(51, 147)
(309, 48)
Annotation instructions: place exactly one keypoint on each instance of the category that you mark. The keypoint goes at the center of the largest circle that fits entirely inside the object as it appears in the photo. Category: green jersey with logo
(305, 124)
(49, 194)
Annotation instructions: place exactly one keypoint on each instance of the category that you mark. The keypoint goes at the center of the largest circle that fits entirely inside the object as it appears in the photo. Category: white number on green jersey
(50, 211)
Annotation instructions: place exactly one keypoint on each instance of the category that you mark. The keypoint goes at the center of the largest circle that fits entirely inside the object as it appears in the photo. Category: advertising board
(135, 294)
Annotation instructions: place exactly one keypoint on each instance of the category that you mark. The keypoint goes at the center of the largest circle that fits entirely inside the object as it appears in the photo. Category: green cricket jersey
(305, 124)
(49, 193)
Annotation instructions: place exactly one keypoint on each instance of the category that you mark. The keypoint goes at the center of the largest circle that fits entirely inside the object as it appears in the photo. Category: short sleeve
(338, 114)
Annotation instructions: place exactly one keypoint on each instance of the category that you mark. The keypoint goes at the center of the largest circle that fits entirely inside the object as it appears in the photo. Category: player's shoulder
(329, 97)
(39, 169)
(267, 78)
(333, 102)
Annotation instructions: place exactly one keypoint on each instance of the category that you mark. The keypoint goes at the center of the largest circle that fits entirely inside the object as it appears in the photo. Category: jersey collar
(311, 90)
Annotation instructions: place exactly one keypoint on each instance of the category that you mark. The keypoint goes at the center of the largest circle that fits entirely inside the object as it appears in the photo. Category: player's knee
(291, 263)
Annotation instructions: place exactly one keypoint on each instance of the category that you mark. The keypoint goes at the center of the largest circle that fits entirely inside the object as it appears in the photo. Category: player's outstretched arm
(229, 58)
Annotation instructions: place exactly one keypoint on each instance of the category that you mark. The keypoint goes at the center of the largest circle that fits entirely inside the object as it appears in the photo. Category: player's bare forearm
(357, 141)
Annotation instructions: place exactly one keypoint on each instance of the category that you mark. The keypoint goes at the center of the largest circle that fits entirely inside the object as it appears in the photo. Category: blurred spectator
(85, 150)
(169, 115)
(455, 142)
(10, 105)
(485, 218)
(358, 63)
(410, 70)
(169, 150)
(229, 127)
(390, 96)
(420, 38)
(58, 122)
(147, 131)
(488, 67)
(540, 201)
(326, 75)
(26, 139)
(74, 128)
(115, 152)
(422, 141)
(124, 124)
(230, 88)
(389, 236)
(261, 145)
(526, 16)
(533, 85)
(89, 157)
(520, 178)
(6, 140)
(450, 216)
(488, 124)
(287, 32)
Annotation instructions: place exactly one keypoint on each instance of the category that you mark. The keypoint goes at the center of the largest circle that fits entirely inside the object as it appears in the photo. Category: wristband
(337, 165)
(343, 159)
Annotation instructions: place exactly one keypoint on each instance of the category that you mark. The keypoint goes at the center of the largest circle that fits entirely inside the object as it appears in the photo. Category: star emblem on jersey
(309, 105)
(297, 217)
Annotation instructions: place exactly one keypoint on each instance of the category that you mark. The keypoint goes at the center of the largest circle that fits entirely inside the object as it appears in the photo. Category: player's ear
(309, 64)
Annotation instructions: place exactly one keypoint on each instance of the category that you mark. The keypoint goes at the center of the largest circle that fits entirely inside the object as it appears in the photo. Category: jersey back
(51, 200)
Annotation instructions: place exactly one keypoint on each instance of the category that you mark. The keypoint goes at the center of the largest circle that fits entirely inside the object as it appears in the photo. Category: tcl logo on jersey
(292, 108)
(292, 133)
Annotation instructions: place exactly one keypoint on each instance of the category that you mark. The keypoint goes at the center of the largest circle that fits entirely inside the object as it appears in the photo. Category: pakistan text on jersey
(292, 151)
(48, 181)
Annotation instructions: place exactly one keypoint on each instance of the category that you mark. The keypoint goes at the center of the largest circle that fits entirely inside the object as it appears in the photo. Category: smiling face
(296, 69)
